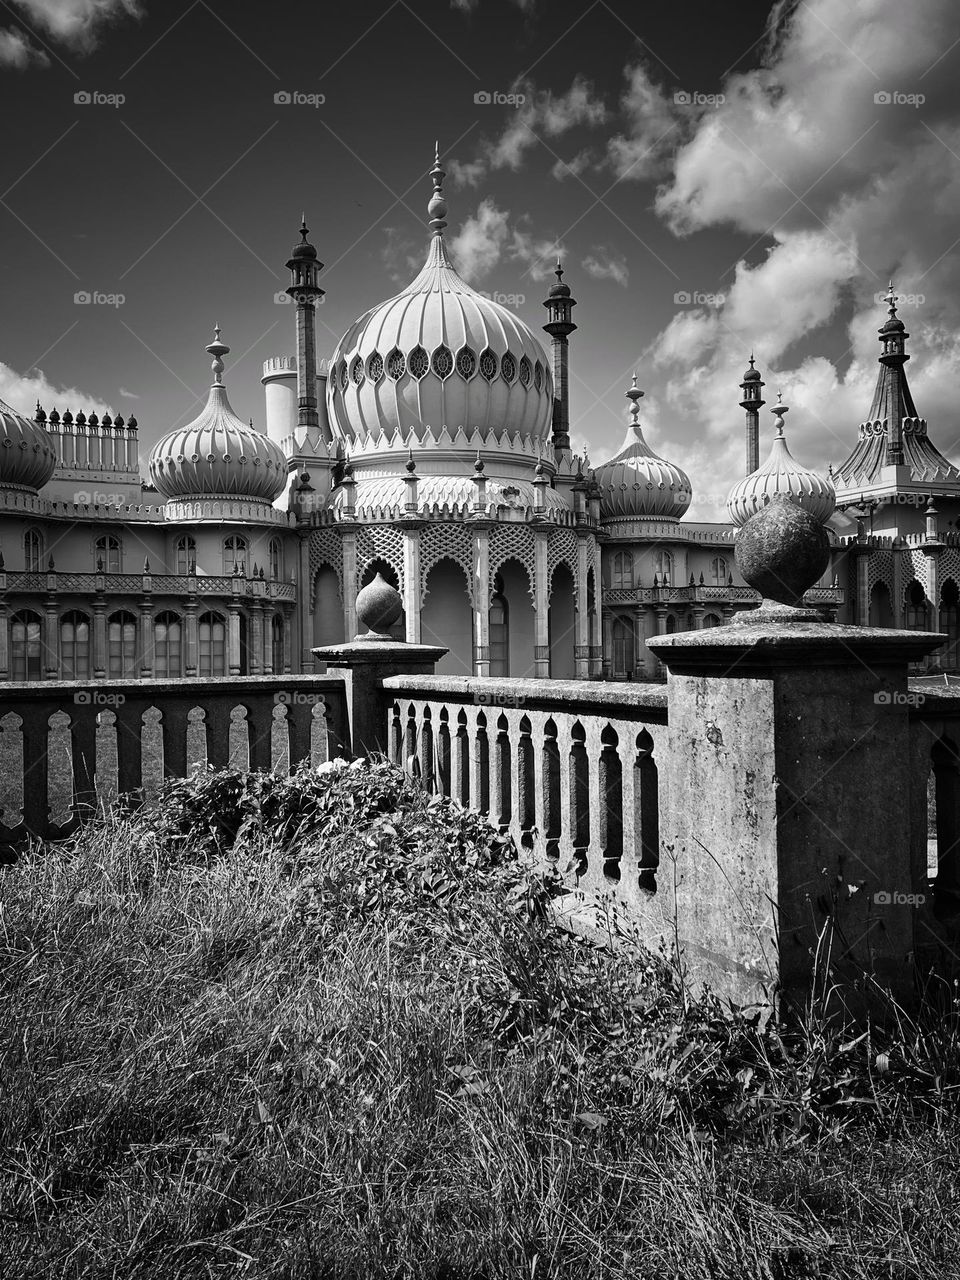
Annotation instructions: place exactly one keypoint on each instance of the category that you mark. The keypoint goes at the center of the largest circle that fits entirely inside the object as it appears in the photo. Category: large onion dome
(635, 483)
(781, 474)
(27, 455)
(439, 355)
(217, 455)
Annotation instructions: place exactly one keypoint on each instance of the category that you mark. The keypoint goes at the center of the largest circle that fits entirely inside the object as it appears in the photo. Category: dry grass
(217, 1065)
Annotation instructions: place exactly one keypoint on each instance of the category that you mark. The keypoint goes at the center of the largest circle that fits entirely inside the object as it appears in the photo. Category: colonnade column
(192, 646)
(582, 650)
(287, 640)
(268, 617)
(304, 607)
(51, 660)
(411, 582)
(145, 640)
(640, 663)
(100, 639)
(481, 600)
(541, 652)
(255, 639)
(233, 640)
(607, 623)
(349, 551)
(4, 643)
(861, 604)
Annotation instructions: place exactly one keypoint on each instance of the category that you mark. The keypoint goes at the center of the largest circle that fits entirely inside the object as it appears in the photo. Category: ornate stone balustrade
(569, 768)
(186, 584)
(68, 748)
(710, 595)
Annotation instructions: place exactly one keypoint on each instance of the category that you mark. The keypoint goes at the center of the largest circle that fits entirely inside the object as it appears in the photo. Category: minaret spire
(304, 288)
(752, 403)
(560, 303)
(218, 350)
(634, 395)
(437, 208)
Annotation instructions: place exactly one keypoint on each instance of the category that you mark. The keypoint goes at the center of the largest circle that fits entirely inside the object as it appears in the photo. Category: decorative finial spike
(437, 208)
(779, 409)
(218, 350)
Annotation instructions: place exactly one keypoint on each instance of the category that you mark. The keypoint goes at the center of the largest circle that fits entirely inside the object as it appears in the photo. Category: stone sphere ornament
(782, 551)
(378, 607)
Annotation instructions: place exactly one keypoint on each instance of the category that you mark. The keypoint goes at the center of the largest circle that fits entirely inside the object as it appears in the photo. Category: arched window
(122, 646)
(212, 636)
(276, 638)
(950, 623)
(718, 571)
(663, 567)
(276, 559)
(499, 636)
(186, 554)
(25, 646)
(623, 648)
(234, 555)
(623, 569)
(167, 646)
(33, 551)
(106, 553)
(74, 646)
(711, 620)
(915, 607)
(671, 623)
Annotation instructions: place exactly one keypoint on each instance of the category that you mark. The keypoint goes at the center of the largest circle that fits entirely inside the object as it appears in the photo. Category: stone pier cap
(759, 645)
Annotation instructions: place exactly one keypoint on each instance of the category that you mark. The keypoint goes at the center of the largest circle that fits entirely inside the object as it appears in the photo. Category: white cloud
(22, 391)
(604, 263)
(842, 192)
(128, 395)
(401, 255)
(575, 166)
(478, 245)
(654, 124)
(17, 51)
(77, 23)
(542, 115)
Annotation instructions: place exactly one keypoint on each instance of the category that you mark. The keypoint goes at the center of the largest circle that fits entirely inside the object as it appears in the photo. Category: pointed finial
(634, 395)
(437, 208)
(218, 350)
(751, 360)
(411, 464)
(891, 300)
(779, 409)
(478, 465)
(558, 271)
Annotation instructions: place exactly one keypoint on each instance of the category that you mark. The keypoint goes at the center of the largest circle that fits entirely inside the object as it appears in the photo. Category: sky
(717, 179)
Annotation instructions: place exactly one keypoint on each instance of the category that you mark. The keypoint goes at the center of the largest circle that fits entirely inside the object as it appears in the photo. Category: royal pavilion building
(431, 447)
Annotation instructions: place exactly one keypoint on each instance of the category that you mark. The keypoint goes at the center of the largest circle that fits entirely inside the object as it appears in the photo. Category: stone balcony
(158, 584)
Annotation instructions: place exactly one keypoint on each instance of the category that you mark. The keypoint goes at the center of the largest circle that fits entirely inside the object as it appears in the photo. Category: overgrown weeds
(323, 1027)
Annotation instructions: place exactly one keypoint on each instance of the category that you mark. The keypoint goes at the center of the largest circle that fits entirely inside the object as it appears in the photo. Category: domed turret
(27, 455)
(439, 355)
(781, 474)
(635, 483)
(217, 455)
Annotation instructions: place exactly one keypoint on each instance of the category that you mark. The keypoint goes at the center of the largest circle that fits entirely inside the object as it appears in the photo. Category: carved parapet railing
(158, 583)
(568, 768)
(702, 594)
(68, 748)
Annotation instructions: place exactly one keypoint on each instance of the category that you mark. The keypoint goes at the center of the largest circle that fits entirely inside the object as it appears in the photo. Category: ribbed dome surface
(217, 455)
(781, 474)
(27, 456)
(438, 355)
(390, 491)
(636, 483)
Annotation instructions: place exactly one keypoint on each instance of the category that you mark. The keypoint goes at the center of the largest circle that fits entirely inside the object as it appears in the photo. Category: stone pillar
(793, 734)
(862, 601)
(233, 640)
(191, 645)
(641, 660)
(541, 653)
(607, 644)
(481, 600)
(348, 548)
(582, 651)
(368, 660)
(99, 639)
(305, 606)
(145, 639)
(287, 645)
(51, 640)
(4, 643)
(255, 638)
(411, 582)
(268, 617)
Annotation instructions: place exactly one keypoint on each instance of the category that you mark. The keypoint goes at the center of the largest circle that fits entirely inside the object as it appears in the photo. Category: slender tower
(560, 325)
(752, 404)
(892, 399)
(304, 289)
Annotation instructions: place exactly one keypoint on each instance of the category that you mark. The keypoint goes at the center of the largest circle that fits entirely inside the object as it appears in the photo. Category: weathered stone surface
(379, 605)
(782, 551)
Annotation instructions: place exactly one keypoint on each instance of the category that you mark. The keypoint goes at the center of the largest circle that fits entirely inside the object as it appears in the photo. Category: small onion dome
(893, 323)
(781, 474)
(559, 290)
(27, 455)
(635, 483)
(218, 455)
(751, 374)
(304, 249)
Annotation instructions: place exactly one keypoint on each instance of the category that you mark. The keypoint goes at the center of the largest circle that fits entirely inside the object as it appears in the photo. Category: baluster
(427, 762)
(502, 789)
(480, 764)
(460, 781)
(556, 792)
(584, 789)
